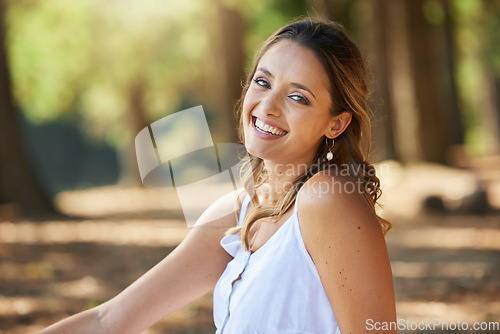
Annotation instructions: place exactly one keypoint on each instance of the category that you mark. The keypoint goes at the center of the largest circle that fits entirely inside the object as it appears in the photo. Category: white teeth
(267, 128)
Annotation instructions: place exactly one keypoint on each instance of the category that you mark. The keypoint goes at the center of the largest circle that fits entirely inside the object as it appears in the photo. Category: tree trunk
(136, 121)
(414, 60)
(229, 69)
(496, 103)
(374, 35)
(325, 9)
(401, 84)
(19, 189)
(439, 125)
(490, 113)
(457, 129)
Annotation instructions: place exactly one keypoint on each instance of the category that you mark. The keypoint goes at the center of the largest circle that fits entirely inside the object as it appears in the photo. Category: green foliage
(91, 56)
(492, 29)
(434, 12)
(477, 62)
(91, 303)
(263, 18)
(48, 44)
(88, 56)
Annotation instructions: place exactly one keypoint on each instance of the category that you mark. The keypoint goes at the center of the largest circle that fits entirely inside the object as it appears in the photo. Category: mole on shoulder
(359, 227)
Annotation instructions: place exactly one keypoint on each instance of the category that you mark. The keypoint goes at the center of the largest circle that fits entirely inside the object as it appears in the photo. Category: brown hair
(346, 71)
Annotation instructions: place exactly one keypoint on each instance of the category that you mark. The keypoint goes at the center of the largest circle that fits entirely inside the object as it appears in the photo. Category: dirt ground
(446, 266)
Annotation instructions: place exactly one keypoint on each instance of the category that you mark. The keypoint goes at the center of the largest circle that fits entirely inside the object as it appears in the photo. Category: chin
(258, 151)
(253, 150)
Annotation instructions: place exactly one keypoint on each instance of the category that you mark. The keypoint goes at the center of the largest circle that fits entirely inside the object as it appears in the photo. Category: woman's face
(286, 110)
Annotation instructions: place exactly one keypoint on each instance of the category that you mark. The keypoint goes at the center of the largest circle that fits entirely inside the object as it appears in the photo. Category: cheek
(246, 110)
(245, 116)
(248, 105)
(307, 126)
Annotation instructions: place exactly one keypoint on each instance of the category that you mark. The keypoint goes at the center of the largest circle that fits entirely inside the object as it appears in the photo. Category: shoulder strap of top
(243, 210)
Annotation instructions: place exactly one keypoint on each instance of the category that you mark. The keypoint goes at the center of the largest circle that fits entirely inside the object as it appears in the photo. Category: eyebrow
(295, 84)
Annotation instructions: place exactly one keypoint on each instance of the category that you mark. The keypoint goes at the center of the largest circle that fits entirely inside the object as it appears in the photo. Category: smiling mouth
(267, 129)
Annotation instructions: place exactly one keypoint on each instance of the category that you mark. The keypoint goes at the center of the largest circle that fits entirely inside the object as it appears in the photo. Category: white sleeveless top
(279, 291)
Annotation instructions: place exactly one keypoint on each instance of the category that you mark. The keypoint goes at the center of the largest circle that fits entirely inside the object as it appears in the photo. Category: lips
(268, 128)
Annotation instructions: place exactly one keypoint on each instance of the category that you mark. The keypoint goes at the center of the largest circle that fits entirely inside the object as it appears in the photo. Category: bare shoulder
(337, 202)
(224, 211)
(345, 241)
(337, 222)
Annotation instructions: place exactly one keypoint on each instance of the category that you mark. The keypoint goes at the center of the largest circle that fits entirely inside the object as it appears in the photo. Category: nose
(271, 104)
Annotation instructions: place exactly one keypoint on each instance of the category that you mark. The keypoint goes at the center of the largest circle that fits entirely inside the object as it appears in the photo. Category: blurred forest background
(79, 79)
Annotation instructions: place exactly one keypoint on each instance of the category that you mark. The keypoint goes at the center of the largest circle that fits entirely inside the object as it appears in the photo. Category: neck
(280, 178)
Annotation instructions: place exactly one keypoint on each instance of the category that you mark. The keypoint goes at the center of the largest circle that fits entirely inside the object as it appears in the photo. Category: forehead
(293, 61)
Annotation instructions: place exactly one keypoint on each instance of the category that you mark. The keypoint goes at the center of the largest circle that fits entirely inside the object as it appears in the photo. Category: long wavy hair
(346, 70)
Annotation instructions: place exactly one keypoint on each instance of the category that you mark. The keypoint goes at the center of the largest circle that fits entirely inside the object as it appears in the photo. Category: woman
(307, 253)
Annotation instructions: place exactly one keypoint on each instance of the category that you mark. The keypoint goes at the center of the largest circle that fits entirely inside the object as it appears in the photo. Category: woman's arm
(345, 241)
(190, 271)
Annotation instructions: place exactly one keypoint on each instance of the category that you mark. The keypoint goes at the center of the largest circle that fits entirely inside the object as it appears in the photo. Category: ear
(338, 124)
